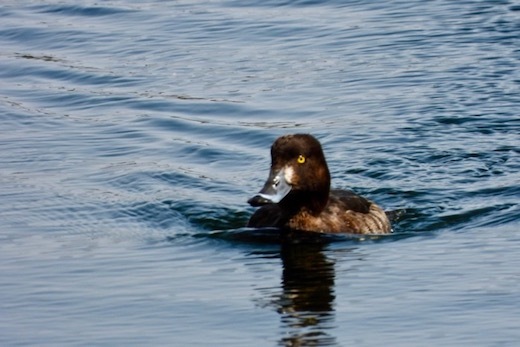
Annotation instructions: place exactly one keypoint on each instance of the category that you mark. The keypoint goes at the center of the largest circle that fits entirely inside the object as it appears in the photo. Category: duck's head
(298, 175)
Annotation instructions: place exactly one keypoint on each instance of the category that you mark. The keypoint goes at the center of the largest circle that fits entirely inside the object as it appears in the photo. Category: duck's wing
(351, 200)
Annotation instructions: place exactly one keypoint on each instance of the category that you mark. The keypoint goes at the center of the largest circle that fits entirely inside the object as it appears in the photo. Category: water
(132, 134)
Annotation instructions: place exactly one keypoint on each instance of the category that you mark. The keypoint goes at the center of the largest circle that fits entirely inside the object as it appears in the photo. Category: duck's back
(362, 215)
(345, 212)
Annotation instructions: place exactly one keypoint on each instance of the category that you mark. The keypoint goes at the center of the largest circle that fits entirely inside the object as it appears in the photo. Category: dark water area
(132, 134)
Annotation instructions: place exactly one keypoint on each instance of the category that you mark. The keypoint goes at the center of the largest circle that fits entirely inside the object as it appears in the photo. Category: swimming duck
(297, 194)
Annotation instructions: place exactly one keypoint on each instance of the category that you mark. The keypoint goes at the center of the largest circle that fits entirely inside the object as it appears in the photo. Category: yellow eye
(301, 159)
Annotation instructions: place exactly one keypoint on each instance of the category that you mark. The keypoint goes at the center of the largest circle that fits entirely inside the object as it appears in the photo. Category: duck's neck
(313, 198)
(308, 202)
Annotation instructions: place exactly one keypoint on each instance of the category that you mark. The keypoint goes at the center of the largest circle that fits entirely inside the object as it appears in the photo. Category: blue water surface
(133, 133)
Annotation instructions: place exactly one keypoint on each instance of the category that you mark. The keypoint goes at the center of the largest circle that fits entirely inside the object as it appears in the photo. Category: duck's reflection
(306, 303)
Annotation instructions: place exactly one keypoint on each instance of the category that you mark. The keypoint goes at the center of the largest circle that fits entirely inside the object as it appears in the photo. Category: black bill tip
(258, 200)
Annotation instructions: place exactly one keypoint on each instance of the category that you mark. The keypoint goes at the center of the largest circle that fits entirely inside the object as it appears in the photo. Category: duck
(297, 195)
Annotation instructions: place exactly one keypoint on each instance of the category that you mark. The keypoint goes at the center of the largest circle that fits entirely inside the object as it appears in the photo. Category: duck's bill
(274, 190)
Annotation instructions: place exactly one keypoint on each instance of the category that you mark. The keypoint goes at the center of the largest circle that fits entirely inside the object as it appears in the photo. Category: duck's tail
(395, 215)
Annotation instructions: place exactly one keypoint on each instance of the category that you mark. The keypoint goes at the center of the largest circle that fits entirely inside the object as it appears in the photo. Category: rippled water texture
(133, 133)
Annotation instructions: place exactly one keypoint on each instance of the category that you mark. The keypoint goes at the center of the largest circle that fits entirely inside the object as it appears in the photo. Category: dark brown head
(299, 174)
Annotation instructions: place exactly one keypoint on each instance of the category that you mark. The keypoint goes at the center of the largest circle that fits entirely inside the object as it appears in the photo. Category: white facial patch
(288, 174)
